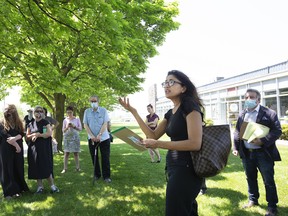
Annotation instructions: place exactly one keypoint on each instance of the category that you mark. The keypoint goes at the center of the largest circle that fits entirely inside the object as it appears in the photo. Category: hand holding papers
(129, 137)
(251, 130)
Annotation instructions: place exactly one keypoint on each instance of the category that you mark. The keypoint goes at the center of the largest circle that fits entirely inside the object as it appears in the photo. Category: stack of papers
(251, 130)
(129, 137)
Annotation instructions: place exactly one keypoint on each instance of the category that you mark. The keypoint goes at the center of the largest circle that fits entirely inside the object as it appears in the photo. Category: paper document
(128, 136)
(252, 130)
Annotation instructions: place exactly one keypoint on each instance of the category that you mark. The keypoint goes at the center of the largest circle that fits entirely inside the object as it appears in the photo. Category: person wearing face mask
(28, 118)
(261, 153)
(40, 156)
(95, 122)
(11, 154)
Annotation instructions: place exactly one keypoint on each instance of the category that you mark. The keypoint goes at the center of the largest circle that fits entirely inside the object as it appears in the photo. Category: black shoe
(107, 180)
(96, 178)
(271, 212)
(251, 204)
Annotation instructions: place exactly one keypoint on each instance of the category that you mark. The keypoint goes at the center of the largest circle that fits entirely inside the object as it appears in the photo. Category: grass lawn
(138, 188)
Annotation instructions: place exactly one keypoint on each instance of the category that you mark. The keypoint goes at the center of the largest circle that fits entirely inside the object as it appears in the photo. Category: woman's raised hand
(125, 103)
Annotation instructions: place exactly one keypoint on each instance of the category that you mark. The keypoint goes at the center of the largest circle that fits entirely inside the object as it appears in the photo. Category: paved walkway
(282, 142)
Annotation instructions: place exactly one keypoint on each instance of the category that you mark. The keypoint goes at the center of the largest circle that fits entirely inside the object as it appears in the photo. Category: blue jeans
(260, 160)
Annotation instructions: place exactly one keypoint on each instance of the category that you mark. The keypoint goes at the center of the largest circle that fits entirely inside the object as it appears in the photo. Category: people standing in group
(95, 123)
(261, 153)
(28, 118)
(71, 128)
(152, 122)
(11, 153)
(183, 124)
(40, 156)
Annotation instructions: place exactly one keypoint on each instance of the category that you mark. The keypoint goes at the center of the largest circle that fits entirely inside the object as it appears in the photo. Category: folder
(251, 130)
(129, 137)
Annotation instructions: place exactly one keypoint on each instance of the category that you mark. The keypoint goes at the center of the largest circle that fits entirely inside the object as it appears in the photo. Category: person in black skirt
(11, 154)
(40, 155)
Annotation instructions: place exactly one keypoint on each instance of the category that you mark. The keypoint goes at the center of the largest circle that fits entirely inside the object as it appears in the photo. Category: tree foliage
(63, 51)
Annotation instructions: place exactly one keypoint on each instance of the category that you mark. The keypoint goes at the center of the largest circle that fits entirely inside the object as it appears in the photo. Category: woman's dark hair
(190, 96)
(69, 108)
(150, 105)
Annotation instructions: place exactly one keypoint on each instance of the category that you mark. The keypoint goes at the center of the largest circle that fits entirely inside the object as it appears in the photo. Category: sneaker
(54, 189)
(271, 212)
(107, 180)
(63, 171)
(40, 190)
(202, 191)
(250, 204)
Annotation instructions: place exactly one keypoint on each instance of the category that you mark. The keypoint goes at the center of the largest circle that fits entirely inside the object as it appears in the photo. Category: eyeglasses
(69, 112)
(170, 83)
(93, 101)
(38, 111)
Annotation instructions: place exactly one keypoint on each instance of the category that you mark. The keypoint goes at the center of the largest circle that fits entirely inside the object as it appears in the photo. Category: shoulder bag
(212, 158)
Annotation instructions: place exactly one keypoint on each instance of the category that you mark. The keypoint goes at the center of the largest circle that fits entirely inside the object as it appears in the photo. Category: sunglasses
(38, 111)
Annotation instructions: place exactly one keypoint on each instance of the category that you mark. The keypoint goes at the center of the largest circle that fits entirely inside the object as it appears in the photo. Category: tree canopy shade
(62, 51)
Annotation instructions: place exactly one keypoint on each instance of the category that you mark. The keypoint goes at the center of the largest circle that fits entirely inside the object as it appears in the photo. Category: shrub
(284, 135)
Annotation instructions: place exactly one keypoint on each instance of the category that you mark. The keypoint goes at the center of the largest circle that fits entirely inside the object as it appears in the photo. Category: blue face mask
(94, 105)
(250, 104)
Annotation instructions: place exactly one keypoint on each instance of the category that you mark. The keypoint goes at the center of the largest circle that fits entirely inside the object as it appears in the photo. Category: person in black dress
(183, 124)
(11, 154)
(40, 156)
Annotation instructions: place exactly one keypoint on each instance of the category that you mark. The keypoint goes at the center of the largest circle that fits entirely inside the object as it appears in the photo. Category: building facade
(224, 99)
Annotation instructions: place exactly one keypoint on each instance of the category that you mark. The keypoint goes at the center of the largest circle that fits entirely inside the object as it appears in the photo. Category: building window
(266, 93)
(283, 106)
(271, 103)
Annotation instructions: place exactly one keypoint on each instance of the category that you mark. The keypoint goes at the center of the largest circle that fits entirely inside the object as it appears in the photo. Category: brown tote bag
(212, 158)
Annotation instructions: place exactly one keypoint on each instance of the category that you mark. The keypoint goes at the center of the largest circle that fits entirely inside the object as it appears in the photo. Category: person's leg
(151, 153)
(266, 168)
(66, 156)
(203, 187)
(50, 180)
(180, 193)
(76, 158)
(40, 187)
(250, 167)
(95, 161)
(105, 158)
(156, 151)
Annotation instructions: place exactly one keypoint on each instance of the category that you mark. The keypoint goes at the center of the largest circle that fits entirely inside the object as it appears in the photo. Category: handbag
(212, 158)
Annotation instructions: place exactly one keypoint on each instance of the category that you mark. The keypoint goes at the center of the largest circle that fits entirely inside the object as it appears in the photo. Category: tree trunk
(59, 115)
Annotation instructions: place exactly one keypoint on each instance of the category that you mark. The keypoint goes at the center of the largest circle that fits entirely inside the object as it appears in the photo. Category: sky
(219, 38)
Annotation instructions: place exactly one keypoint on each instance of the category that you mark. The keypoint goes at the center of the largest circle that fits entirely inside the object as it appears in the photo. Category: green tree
(62, 52)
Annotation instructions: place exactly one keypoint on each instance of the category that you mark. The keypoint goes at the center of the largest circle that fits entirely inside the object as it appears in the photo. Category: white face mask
(94, 105)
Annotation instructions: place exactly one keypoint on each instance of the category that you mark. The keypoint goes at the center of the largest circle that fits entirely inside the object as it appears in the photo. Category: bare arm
(144, 127)
(13, 141)
(193, 143)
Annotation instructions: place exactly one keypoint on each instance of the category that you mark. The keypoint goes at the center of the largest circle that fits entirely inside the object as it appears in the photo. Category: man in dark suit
(261, 153)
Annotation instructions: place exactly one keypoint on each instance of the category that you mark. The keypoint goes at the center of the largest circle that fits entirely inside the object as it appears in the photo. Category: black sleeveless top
(177, 130)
